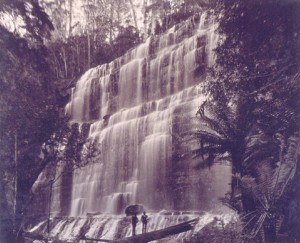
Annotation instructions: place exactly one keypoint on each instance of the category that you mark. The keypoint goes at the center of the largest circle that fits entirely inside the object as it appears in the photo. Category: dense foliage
(28, 111)
(105, 33)
(252, 116)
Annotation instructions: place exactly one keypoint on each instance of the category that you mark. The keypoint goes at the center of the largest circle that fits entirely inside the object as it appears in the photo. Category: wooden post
(49, 209)
(15, 179)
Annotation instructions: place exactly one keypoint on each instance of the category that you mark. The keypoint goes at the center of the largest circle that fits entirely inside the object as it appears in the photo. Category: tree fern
(268, 186)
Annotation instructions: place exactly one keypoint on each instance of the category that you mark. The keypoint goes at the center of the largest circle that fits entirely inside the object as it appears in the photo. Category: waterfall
(139, 106)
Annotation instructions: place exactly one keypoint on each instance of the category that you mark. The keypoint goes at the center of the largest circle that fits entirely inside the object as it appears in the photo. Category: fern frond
(287, 166)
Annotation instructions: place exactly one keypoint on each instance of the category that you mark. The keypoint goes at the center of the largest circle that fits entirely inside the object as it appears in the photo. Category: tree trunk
(70, 17)
(25, 182)
(243, 201)
(145, 34)
(270, 230)
(22, 199)
(89, 50)
(64, 56)
(134, 14)
(78, 69)
(6, 224)
(111, 22)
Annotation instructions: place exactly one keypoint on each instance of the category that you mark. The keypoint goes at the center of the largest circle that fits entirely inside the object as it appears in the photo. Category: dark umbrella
(134, 209)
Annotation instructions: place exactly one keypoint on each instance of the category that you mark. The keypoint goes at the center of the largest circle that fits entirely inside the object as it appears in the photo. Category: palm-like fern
(267, 188)
(222, 133)
(259, 136)
(216, 133)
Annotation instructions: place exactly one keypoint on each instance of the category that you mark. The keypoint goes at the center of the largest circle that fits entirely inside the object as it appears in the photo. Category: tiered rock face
(139, 107)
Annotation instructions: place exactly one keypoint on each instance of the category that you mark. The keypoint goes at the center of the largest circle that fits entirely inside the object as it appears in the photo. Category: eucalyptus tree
(83, 30)
(65, 24)
(159, 16)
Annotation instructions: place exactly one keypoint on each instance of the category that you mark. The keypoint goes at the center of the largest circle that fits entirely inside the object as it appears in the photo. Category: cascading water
(139, 106)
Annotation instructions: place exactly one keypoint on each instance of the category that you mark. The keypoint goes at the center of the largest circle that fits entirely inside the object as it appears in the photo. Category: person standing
(134, 221)
(144, 220)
